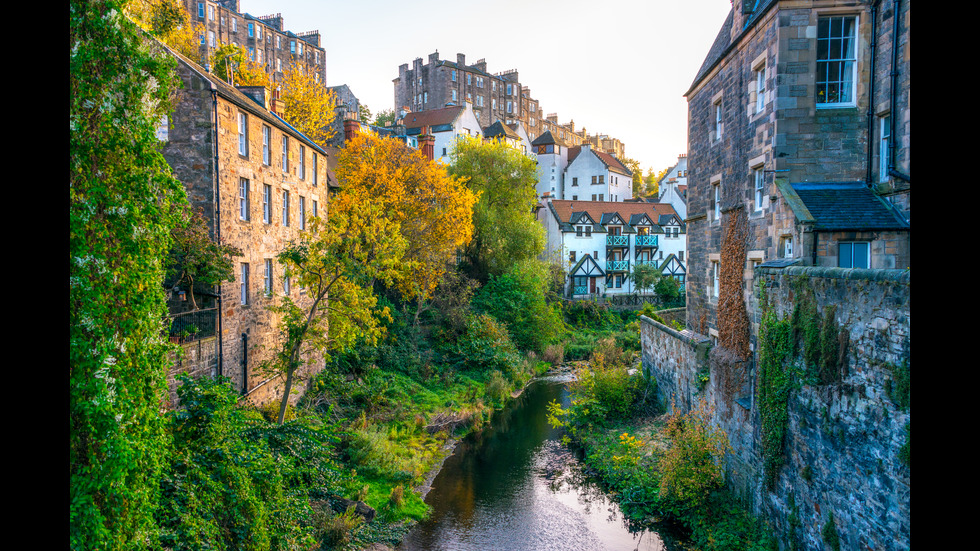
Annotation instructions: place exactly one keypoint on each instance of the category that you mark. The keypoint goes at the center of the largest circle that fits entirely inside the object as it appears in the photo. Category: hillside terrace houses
(601, 242)
(258, 182)
(580, 172)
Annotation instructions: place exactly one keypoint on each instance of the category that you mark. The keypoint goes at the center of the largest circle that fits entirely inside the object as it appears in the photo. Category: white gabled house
(446, 125)
(600, 243)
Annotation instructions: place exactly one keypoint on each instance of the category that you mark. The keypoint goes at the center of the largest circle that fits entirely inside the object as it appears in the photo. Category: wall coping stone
(903, 276)
(687, 336)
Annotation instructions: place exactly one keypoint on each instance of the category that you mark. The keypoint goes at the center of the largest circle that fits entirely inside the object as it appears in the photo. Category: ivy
(775, 383)
(122, 208)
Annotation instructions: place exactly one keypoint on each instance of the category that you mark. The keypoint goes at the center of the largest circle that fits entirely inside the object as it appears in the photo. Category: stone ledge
(897, 276)
(687, 336)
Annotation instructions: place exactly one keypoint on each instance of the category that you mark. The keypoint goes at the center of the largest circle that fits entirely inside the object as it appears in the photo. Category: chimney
(276, 105)
(351, 127)
(427, 143)
(461, 60)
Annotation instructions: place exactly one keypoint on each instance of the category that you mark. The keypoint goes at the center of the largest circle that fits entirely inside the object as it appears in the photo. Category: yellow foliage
(433, 209)
(170, 22)
(309, 105)
(692, 466)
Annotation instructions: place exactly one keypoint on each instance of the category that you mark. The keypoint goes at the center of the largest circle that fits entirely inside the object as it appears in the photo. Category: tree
(168, 21)
(309, 105)
(645, 276)
(433, 210)
(123, 200)
(637, 172)
(336, 261)
(196, 258)
(363, 113)
(384, 117)
(652, 181)
(505, 230)
(230, 62)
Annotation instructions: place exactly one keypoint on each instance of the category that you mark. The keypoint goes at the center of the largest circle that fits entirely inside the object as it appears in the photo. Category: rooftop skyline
(618, 68)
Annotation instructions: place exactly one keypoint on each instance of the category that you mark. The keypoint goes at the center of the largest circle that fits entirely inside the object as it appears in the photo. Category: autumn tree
(231, 63)
(645, 276)
(196, 259)
(433, 210)
(168, 21)
(505, 230)
(384, 117)
(122, 206)
(309, 105)
(637, 172)
(336, 261)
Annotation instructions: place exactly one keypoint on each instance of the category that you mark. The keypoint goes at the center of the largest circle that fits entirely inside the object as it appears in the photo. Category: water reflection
(514, 487)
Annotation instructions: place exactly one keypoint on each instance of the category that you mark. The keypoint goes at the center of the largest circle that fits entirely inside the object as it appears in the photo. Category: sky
(616, 67)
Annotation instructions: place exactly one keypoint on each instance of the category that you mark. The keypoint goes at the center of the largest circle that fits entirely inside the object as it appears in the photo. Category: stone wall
(843, 439)
(198, 359)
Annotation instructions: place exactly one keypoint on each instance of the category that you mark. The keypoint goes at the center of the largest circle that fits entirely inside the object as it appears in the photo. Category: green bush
(517, 299)
(485, 345)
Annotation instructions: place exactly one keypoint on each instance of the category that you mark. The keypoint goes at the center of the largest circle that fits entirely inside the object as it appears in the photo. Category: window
(211, 39)
(302, 162)
(594, 196)
(313, 213)
(267, 204)
(479, 101)
(854, 255)
(251, 53)
(234, 25)
(469, 79)
(758, 177)
(292, 47)
(595, 179)
(479, 82)
(716, 201)
(718, 125)
(285, 153)
(715, 278)
(302, 212)
(285, 207)
(509, 89)
(574, 197)
(575, 181)
(884, 147)
(267, 282)
(285, 283)
(454, 95)
(760, 89)
(200, 10)
(602, 196)
(211, 13)
(314, 170)
(258, 32)
(602, 179)
(243, 199)
(266, 145)
(278, 42)
(251, 30)
(786, 246)
(242, 134)
(510, 105)
(452, 75)
(243, 283)
(571, 257)
(836, 60)
(425, 97)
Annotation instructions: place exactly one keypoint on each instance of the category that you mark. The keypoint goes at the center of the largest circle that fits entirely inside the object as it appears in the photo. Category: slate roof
(567, 213)
(611, 162)
(847, 207)
(547, 138)
(432, 117)
(723, 41)
(499, 129)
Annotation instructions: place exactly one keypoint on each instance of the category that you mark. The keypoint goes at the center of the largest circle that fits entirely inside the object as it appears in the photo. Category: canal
(515, 487)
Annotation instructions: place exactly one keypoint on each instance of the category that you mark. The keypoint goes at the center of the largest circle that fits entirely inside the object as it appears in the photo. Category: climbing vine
(805, 347)
(729, 358)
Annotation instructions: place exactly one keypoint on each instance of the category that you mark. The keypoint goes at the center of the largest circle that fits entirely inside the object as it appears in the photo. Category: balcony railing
(193, 325)
(581, 290)
(647, 263)
(646, 241)
(617, 265)
(617, 241)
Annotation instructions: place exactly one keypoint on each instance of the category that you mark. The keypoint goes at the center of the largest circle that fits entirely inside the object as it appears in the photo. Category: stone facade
(264, 38)
(765, 129)
(436, 83)
(228, 150)
(843, 439)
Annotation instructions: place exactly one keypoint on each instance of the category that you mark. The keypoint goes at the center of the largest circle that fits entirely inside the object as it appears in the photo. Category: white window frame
(759, 184)
(715, 278)
(243, 206)
(786, 246)
(266, 145)
(285, 153)
(242, 134)
(243, 283)
(267, 204)
(285, 207)
(760, 88)
(837, 65)
(267, 282)
(884, 146)
(302, 162)
(314, 179)
(302, 212)
(851, 244)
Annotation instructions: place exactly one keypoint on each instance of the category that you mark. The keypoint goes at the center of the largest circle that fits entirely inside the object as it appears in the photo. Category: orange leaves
(309, 105)
(433, 210)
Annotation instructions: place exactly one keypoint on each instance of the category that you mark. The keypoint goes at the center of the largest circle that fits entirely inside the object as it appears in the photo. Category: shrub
(691, 467)
(517, 299)
(496, 387)
(485, 345)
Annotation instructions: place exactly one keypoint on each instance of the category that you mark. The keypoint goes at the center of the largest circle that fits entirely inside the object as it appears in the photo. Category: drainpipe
(215, 192)
(868, 179)
(894, 99)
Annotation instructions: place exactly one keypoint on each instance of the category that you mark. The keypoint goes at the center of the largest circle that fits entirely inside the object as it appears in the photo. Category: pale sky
(617, 67)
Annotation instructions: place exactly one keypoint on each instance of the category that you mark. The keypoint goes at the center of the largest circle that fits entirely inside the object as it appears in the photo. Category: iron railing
(580, 290)
(617, 241)
(617, 265)
(646, 240)
(193, 325)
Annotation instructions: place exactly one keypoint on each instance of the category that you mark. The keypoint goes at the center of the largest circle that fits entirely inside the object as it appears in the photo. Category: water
(514, 487)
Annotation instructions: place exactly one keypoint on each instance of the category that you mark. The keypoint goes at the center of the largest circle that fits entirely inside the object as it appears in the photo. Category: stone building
(437, 83)
(258, 182)
(799, 125)
(263, 37)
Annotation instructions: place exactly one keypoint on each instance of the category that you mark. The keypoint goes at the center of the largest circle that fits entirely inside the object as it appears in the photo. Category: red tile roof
(432, 117)
(596, 209)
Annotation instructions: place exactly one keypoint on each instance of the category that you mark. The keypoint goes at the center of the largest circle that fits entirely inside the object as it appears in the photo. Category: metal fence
(193, 325)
